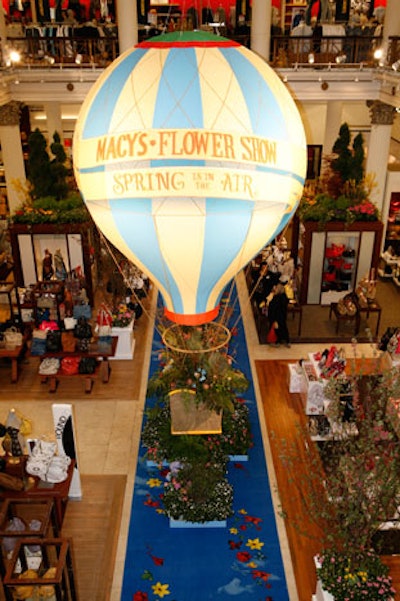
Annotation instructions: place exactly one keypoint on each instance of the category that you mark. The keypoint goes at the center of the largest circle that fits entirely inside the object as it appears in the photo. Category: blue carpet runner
(241, 562)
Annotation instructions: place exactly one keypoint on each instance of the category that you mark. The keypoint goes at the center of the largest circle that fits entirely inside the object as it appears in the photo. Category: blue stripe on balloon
(102, 108)
(260, 101)
(178, 103)
(134, 222)
(220, 250)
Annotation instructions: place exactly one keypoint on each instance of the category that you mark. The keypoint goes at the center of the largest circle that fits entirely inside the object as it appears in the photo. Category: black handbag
(87, 365)
(83, 329)
(53, 341)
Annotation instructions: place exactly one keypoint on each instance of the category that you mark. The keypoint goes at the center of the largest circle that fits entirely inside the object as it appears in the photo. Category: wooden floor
(284, 416)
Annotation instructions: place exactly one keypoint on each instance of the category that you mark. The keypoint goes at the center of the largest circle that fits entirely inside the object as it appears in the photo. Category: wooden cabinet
(72, 241)
(362, 241)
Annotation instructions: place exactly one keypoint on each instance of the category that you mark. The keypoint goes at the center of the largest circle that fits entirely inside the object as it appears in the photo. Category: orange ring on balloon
(195, 319)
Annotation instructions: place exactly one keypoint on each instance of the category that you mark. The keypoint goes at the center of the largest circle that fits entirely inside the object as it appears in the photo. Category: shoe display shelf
(52, 576)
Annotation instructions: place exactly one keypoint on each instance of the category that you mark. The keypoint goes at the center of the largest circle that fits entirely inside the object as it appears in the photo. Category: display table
(101, 352)
(126, 342)
(342, 318)
(372, 307)
(14, 354)
(36, 489)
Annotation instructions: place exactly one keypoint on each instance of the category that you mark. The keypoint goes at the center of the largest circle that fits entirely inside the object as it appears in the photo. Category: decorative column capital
(10, 113)
(380, 112)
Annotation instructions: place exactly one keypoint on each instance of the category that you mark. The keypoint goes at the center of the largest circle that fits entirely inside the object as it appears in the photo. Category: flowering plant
(362, 577)
(122, 316)
(198, 493)
(343, 190)
(211, 375)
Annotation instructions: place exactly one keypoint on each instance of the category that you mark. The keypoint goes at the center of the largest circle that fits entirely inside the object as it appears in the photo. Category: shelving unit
(364, 238)
(287, 13)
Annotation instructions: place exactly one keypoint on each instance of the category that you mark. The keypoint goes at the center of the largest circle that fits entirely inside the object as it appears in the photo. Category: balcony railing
(286, 51)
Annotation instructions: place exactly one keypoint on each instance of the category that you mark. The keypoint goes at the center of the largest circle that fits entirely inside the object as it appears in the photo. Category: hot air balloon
(190, 154)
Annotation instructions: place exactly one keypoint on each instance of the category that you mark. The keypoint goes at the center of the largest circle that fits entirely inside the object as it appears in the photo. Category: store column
(382, 116)
(54, 121)
(127, 24)
(261, 28)
(11, 148)
(333, 121)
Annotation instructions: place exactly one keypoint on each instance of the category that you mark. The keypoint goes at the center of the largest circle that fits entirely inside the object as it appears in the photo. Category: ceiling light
(396, 66)
(50, 59)
(78, 59)
(311, 58)
(378, 53)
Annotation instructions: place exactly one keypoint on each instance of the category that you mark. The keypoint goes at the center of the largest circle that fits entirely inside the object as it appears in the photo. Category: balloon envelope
(191, 156)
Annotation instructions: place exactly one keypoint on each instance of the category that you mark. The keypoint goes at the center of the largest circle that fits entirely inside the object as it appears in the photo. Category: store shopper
(277, 314)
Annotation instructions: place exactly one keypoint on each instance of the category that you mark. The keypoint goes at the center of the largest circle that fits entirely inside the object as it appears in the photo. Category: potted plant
(211, 375)
(351, 488)
(198, 493)
(342, 193)
(50, 194)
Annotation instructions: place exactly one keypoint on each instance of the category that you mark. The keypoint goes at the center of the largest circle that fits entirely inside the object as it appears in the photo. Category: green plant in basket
(210, 374)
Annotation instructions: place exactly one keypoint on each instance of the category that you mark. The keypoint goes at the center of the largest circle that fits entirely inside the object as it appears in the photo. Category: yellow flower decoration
(161, 511)
(233, 530)
(160, 589)
(242, 511)
(252, 564)
(154, 482)
(254, 543)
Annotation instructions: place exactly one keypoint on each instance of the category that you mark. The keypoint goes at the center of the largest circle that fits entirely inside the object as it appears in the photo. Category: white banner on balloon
(65, 435)
(172, 182)
(167, 144)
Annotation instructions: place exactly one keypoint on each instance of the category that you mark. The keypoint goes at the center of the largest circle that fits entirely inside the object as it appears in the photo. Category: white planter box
(183, 524)
(321, 594)
(126, 342)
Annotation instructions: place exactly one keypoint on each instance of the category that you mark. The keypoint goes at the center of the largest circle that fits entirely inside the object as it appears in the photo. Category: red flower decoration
(253, 520)
(150, 503)
(140, 596)
(261, 575)
(233, 545)
(243, 556)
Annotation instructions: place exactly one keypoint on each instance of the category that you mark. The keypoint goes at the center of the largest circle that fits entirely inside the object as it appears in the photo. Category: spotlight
(50, 59)
(378, 54)
(340, 59)
(70, 86)
(15, 56)
(78, 59)
(311, 58)
(396, 66)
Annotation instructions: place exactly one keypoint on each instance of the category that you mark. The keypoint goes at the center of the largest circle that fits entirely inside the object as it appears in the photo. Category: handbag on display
(104, 321)
(13, 337)
(68, 342)
(83, 329)
(82, 311)
(53, 341)
(70, 365)
(87, 365)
